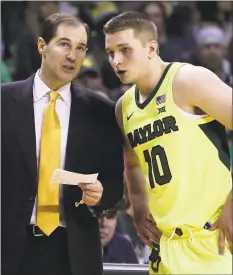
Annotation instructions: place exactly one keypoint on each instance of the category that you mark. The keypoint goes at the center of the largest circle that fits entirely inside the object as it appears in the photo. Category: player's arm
(136, 184)
(135, 180)
(199, 87)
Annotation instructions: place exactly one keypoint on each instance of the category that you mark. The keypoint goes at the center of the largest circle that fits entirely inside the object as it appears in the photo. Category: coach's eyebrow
(64, 38)
(68, 40)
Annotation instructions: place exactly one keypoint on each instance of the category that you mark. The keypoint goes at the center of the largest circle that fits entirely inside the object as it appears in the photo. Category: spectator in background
(13, 20)
(97, 14)
(179, 32)
(226, 10)
(116, 247)
(210, 52)
(27, 57)
(209, 13)
(5, 73)
(100, 14)
(2, 46)
(216, 13)
(156, 12)
(230, 53)
(90, 76)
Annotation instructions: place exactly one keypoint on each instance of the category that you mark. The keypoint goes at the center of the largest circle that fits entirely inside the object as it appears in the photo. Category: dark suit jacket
(94, 145)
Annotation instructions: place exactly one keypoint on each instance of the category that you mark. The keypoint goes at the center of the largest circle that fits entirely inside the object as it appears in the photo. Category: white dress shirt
(63, 103)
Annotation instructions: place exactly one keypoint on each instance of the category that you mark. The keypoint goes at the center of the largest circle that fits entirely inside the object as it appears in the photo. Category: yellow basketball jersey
(184, 157)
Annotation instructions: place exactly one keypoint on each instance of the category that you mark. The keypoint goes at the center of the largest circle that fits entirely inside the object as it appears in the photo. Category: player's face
(127, 55)
(63, 56)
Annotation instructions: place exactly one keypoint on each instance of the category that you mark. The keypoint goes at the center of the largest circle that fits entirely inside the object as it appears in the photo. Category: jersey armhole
(199, 119)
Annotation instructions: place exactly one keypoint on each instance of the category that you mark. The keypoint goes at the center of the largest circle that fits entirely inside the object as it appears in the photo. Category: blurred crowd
(199, 33)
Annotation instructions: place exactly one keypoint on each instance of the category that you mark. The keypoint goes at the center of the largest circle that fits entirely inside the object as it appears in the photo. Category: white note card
(65, 177)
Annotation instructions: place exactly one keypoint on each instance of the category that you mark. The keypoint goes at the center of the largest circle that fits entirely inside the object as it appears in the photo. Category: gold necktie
(48, 193)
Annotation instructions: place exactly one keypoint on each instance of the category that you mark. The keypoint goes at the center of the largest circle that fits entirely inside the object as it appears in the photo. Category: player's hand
(92, 193)
(225, 226)
(147, 228)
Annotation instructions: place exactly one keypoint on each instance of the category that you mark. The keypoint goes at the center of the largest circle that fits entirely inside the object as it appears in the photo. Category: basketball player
(176, 154)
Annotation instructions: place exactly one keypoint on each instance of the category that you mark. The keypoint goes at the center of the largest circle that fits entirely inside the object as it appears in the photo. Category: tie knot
(54, 96)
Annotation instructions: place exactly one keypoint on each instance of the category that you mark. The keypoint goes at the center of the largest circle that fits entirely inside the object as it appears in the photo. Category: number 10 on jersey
(155, 176)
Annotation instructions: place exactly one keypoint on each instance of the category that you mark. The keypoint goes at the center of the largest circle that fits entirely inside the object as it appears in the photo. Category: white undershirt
(63, 103)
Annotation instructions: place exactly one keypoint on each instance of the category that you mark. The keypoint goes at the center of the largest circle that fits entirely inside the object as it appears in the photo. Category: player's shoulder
(189, 81)
(189, 74)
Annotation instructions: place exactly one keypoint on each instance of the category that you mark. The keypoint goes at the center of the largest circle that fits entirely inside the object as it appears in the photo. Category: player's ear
(153, 49)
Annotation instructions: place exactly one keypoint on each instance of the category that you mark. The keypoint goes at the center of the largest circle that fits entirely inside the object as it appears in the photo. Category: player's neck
(151, 77)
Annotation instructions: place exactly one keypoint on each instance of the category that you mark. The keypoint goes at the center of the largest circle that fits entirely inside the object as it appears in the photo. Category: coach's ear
(41, 46)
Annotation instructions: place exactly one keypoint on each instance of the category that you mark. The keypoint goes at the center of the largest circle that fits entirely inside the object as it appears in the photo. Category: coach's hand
(92, 193)
(147, 228)
(225, 226)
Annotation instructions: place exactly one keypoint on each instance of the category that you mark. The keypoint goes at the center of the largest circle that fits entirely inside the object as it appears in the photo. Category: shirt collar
(41, 89)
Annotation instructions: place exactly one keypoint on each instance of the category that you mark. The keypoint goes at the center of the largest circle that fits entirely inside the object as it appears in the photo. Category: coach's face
(63, 56)
(128, 55)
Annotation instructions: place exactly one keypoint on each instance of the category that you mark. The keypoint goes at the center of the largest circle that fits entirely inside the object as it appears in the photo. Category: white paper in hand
(65, 177)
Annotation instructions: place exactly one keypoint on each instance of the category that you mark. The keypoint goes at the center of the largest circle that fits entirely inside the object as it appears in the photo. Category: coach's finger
(91, 194)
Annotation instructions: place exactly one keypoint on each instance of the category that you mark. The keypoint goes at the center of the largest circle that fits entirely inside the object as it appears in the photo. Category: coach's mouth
(68, 68)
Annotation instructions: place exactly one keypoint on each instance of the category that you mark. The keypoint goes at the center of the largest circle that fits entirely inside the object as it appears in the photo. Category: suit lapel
(77, 126)
(25, 124)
